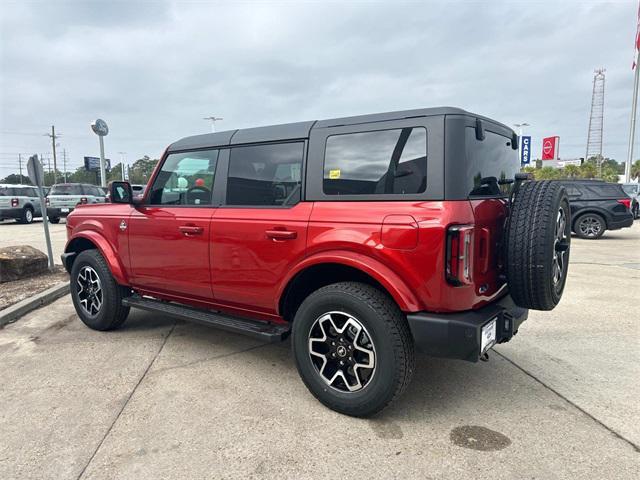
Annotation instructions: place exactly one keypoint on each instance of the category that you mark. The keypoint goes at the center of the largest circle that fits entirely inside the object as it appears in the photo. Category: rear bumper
(53, 212)
(617, 222)
(458, 335)
(10, 213)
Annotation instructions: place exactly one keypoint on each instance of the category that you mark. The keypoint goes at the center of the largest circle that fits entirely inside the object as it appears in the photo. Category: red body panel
(241, 259)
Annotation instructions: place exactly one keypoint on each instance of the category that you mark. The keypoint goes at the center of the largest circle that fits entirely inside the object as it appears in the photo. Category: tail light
(14, 202)
(46, 201)
(626, 202)
(459, 254)
(83, 200)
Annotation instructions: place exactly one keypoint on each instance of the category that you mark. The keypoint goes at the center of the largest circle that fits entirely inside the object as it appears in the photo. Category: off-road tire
(54, 219)
(389, 332)
(594, 216)
(112, 313)
(532, 244)
(27, 215)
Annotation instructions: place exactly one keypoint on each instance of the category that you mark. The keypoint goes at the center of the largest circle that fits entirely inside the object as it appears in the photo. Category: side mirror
(120, 192)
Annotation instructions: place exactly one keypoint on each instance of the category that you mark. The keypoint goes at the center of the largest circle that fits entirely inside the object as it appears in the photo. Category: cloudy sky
(153, 69)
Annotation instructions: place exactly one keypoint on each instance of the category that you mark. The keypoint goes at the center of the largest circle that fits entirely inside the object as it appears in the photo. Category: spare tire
(538, 240)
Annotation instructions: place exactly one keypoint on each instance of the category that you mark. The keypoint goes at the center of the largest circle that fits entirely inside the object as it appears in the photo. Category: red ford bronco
(361, 238)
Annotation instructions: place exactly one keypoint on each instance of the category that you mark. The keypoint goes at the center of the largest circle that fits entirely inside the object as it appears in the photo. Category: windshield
(489, 162)
(66, 190)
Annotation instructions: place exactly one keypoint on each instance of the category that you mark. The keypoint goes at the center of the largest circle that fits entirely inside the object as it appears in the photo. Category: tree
(635, 170)
(610, 174)
(141, 170)
(15, 179)
(548, 173)
(571, 171)
(588, 169)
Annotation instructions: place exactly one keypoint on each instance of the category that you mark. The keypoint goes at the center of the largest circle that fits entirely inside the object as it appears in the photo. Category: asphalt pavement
(166, 399)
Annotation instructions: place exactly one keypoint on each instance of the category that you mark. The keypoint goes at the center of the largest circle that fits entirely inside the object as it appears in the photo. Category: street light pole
(213, 119)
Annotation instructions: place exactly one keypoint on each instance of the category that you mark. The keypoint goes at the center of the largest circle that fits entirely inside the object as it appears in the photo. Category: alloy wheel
(28, 215)
(89, 290)
(342, 351)
(561, 248)
(590, 226)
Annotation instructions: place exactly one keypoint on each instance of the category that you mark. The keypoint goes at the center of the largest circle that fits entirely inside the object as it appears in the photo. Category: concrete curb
(15, 311)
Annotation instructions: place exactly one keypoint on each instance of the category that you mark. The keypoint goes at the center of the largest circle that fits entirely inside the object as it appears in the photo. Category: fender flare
(390, 281)
(106, 250)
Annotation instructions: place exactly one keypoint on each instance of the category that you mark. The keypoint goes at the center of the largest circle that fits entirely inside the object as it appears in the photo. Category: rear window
(603, 190)
(6, 191)
(66, 190)
(380, 162)
(491, 157)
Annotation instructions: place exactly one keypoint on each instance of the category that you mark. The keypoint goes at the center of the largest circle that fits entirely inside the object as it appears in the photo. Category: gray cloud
(154, 69)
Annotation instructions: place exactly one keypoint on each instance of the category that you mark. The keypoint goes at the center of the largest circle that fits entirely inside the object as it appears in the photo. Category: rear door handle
(281, 234)
(189, 230)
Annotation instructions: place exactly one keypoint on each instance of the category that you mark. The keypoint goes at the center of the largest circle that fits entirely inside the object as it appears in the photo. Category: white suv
(20, 202)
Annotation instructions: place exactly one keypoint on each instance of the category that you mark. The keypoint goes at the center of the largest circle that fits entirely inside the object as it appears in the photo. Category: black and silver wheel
(353, 348)
(590, 226)
(538, 244)
(96, 296)
(27, 215)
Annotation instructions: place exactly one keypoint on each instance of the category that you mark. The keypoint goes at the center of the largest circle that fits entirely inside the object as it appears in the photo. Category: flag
(637, 49)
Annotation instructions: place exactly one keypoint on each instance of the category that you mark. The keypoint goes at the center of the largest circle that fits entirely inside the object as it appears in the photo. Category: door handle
(281, 234)
(189, 230)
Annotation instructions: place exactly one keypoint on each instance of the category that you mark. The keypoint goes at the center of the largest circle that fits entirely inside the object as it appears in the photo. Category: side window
(572, 191)
(380, 162)
(265, 174)
(185, 179)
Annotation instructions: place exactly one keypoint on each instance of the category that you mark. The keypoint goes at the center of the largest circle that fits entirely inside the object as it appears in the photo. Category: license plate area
(64, 210)
(488, 335)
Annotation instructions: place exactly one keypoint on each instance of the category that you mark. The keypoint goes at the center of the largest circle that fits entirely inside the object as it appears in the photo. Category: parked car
(597, 206)
(64, 197)
(20, 202)
(361, 238)
(633, 191)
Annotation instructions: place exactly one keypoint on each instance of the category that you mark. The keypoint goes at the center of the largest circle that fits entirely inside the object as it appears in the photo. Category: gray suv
(633, 191)
(19, 202)
(64, 197)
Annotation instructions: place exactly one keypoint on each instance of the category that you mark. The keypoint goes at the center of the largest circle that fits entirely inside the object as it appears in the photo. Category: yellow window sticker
(334, 174)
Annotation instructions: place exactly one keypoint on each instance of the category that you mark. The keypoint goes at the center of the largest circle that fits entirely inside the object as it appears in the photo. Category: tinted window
(604, 190)
(265, 174)
(491, 157)
(381, 162)
(572, 190)
(185, 179)
(6, 191)
(31, 192)
(65, 189)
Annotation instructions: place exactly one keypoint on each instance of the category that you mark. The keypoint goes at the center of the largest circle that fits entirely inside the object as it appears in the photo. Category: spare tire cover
(538, 244)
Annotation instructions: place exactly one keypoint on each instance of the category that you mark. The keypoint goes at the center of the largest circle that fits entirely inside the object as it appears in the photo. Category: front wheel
(353, 348)
(590, 226)
(54, 219)
(96, 296)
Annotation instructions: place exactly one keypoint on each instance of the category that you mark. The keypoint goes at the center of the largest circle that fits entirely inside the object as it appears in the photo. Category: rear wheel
(54, 219)
(353, 348)
(96, 296)
(538, 244)
(590, 226)
(27, 215)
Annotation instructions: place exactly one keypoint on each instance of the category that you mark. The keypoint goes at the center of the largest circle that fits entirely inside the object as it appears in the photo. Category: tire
(636, 211)
(27, 215)
(538, 240)
(91, 270)
(381, 349)
(590, 226)
(54, 219)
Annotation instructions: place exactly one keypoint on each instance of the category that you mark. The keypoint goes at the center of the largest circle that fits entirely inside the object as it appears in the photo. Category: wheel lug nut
(341, 362)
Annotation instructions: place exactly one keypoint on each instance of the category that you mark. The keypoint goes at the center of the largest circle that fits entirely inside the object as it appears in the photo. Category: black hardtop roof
(293, 131)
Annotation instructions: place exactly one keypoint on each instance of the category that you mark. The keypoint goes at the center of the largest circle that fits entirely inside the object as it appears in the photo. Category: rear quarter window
(491, 157)
(379, 162)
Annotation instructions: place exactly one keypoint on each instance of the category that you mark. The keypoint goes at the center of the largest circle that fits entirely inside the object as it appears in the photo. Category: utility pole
(64, 163)
(122, 154)
(20, 166)
(53, 137)
(213, 119)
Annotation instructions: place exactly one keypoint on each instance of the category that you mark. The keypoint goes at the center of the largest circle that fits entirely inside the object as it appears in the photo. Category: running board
(267, 332)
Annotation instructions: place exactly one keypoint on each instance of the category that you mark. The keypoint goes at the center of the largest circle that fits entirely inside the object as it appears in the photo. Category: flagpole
(632, 128)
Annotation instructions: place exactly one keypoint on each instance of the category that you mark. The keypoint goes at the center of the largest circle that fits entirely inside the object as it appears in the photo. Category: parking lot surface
(167, 399)
(12, 233)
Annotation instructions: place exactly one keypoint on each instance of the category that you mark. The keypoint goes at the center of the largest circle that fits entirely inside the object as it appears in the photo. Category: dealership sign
(525, 152)
(550, 148)
(92, 164)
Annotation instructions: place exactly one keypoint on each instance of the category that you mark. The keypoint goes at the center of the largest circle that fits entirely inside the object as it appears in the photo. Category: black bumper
(10, 213)
(617, 222)
(53, 212)
(458, 335)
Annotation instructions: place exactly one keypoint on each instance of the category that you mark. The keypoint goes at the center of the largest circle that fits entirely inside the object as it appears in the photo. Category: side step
(267, 332)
